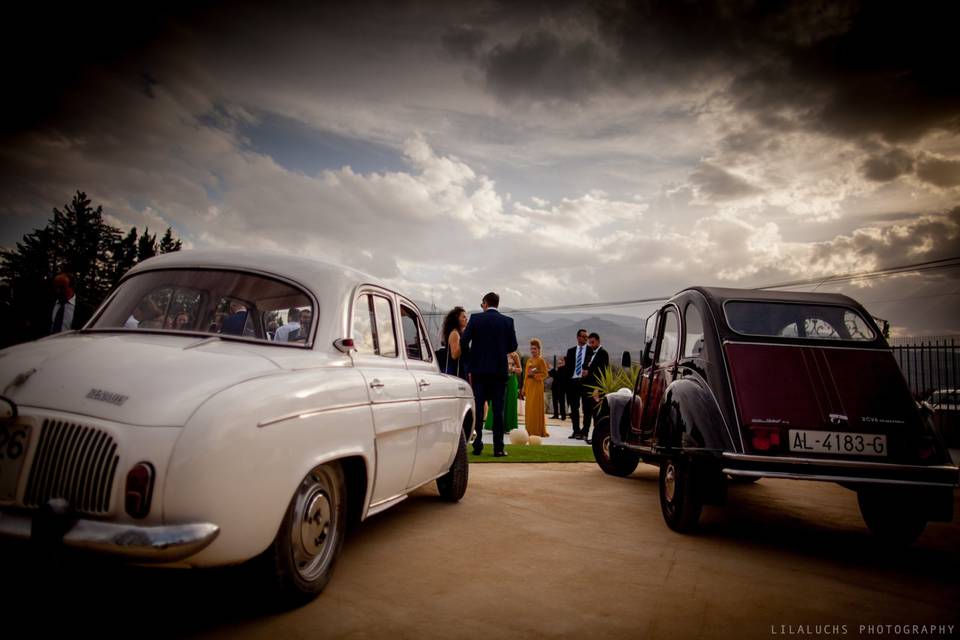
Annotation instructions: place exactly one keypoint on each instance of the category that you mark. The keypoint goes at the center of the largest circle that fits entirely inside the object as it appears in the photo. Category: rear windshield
(211, 301)
(791, 320)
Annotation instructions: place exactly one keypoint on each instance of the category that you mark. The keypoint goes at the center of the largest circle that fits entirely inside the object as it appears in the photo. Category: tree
(76, 240)
(168, 244)
(146, 246)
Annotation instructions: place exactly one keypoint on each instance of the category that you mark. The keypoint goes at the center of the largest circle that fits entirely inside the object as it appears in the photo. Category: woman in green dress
(510, 400)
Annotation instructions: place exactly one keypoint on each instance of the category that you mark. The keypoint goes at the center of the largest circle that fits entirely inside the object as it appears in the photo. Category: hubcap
(315, 527)
(606, 447)
(670, 482)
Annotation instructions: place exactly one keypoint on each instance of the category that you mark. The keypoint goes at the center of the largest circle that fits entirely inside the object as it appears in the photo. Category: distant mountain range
(558, 332)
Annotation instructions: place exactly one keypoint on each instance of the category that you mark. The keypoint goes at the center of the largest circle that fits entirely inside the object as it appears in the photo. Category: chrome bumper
(849, 471)
(126, 541)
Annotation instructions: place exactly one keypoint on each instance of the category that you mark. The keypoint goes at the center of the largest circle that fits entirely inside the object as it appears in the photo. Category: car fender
(243, 454)
(690, 418)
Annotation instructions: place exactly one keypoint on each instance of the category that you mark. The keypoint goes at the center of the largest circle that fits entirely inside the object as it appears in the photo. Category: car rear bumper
(844, 471)
(125, 541)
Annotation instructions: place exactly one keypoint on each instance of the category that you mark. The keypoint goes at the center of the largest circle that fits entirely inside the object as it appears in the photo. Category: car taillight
(765, 438)
(139, 490)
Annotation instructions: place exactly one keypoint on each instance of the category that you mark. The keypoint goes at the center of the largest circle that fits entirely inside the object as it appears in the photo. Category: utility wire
(932, 265)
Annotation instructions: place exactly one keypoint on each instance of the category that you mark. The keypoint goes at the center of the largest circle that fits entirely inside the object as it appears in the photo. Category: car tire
(301, 558)
(453, 484)
(614, 460)
(893, 517)
(680, 500)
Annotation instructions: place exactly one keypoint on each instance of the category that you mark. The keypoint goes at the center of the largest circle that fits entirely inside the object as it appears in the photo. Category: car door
(439, 430)
(392, 390)
(661, 373)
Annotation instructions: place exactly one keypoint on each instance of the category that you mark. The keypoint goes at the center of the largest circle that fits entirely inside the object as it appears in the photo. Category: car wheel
(679, 498)
(300, 561)
(892, 517)
(611, 458)
(453, 484)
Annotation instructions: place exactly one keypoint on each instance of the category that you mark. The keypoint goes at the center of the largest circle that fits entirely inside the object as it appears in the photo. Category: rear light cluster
(139, 490)
(765, 438)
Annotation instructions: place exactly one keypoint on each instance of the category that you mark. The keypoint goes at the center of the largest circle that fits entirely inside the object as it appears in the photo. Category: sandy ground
(549, 550)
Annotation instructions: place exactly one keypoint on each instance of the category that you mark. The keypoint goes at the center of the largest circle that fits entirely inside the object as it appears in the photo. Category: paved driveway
(554, 550)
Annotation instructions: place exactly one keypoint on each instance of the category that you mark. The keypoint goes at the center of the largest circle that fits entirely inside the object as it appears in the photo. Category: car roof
(311, 272)
(720, 295)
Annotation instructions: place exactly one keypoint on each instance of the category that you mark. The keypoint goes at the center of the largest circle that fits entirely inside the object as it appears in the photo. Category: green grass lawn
(541, 453)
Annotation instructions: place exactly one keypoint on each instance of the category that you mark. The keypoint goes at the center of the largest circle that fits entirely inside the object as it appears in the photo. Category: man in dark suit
(557, 391)
(68, 314)
(598, 361)
(575, 365)
(489, 337)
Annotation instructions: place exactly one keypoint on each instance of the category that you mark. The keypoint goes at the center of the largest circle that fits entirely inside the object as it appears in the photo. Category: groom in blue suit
(490, 336)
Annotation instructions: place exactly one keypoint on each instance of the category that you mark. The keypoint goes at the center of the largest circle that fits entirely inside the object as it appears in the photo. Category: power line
(931, 265)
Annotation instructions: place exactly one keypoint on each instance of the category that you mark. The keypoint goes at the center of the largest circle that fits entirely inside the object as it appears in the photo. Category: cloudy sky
(557, 152)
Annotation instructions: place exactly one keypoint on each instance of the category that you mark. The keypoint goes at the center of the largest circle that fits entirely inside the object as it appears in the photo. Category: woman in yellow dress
(535, 415)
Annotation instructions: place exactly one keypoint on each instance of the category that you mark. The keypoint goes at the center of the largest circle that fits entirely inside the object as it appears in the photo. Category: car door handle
(376, 384)
(424, 383)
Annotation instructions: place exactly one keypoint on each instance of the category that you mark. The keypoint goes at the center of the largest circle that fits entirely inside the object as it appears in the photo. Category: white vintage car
(181, 426)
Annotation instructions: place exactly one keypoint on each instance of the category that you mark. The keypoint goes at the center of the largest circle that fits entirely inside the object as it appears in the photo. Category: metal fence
(928, 364)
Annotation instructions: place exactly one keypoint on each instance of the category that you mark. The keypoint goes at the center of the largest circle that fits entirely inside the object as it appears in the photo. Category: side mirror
(625, 360)
(647, 359)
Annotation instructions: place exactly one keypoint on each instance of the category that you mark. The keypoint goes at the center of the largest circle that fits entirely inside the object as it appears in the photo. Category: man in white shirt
(576, 361)
(293, 324)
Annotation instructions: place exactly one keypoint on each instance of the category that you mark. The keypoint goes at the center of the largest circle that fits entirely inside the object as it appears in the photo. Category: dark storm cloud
(716, 184)
(847, 68)
(463, 42)
(542, 63)
(942, 173)
(889, 166)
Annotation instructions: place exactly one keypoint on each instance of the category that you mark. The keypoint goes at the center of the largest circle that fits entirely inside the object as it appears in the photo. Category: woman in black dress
(454, 361)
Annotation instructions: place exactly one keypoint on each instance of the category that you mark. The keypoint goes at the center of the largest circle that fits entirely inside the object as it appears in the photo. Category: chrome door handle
(376, 384)
(424, 383)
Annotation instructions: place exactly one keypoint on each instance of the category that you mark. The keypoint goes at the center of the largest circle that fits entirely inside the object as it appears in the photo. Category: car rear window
(793, 320)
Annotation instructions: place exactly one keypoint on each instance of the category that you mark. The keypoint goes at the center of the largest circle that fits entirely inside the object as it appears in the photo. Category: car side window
(693, 345)
(413, 335)
(669, 338)
(386, 335)
(363, 323)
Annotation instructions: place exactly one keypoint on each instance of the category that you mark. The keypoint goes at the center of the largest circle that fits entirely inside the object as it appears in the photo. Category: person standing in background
(534, 411)
(573, 378)
(489, 337)
(597, 363)
(67, 314)
(557, 390)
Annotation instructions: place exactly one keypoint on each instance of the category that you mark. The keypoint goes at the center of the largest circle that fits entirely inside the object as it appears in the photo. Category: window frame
(374, 292)
(833, 341)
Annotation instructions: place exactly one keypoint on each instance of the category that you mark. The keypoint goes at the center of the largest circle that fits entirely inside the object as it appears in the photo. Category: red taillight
(764, 438)
(139, 490)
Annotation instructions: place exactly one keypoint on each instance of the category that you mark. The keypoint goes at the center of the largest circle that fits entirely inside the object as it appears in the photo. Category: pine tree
(124, 255)
(168, 244)
(146, 246)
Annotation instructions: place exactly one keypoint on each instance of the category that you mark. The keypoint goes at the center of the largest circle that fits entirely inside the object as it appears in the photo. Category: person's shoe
(477, 452)
(573, 436)
(588, 440)
(554, 418)
(499, 454)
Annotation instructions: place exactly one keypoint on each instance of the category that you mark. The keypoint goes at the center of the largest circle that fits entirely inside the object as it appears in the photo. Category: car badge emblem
(107, 396)
(837, 418)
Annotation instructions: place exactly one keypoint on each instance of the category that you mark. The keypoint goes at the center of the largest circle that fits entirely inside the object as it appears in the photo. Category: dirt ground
(553, 550)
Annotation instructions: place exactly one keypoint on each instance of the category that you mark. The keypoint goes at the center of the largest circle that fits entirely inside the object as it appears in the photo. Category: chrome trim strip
(836, 463)
(130, 542)
(313, 412)
(823, 478)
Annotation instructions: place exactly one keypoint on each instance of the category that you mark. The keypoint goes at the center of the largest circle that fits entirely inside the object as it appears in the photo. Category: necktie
(578, 370)
(58, 319)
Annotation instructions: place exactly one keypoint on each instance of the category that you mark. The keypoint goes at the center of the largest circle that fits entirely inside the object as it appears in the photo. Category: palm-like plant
(612, 380)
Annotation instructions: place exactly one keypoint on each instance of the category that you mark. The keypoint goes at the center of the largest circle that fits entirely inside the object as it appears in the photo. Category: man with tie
(575, 364)
(66, 315)
(488, 338)
(598, 361)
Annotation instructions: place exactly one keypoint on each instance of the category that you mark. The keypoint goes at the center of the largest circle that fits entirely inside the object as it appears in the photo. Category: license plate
(14, 439)
(838, 442)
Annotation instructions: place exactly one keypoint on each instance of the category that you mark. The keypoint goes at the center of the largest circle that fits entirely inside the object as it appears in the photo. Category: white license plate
(838, 442)
(14, 439)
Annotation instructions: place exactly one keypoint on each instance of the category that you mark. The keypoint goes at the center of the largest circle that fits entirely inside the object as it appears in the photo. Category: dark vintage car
(738, 385)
